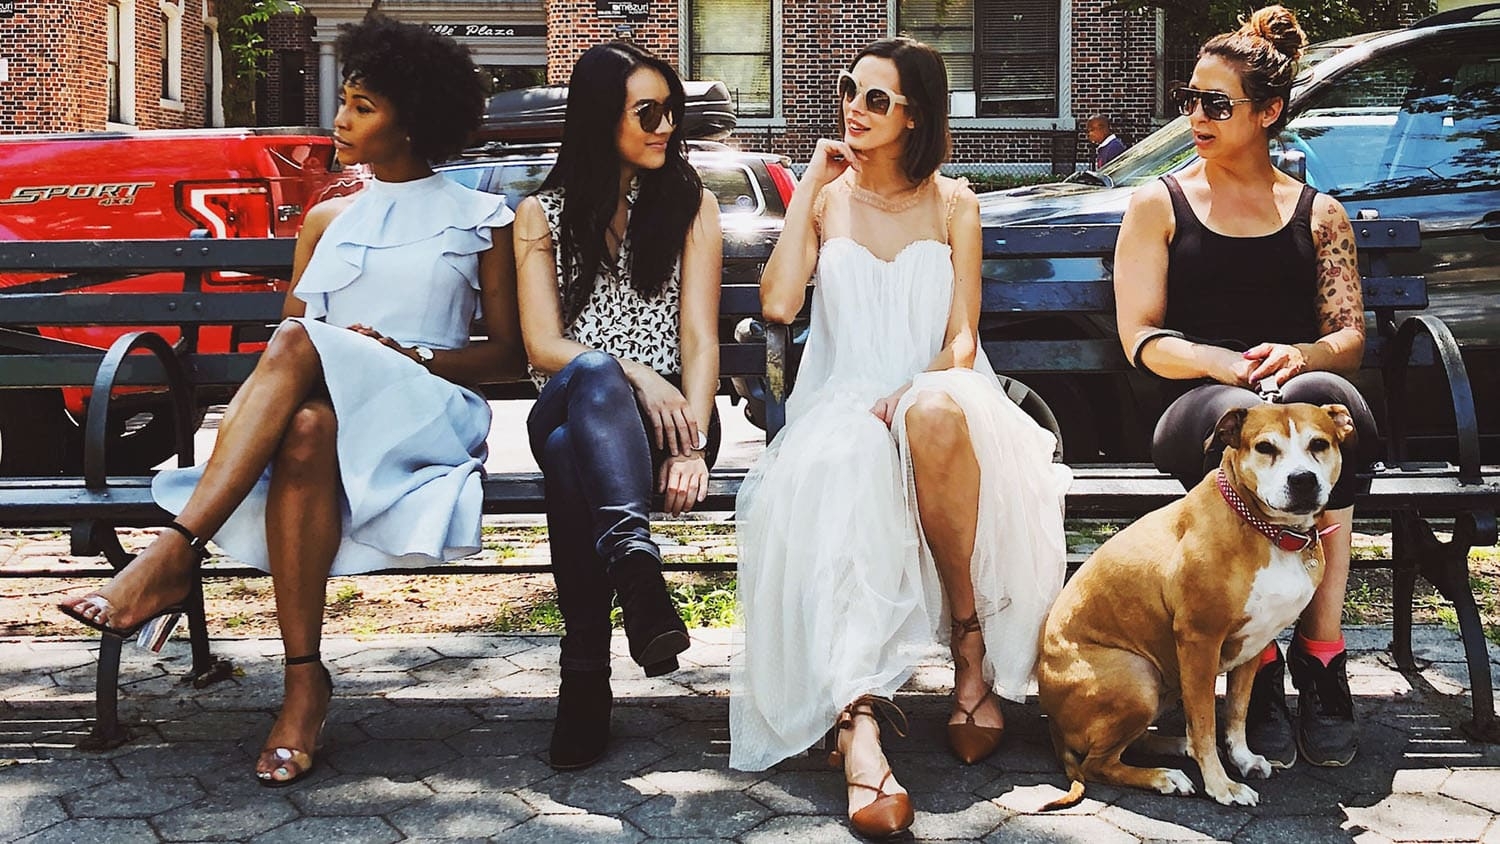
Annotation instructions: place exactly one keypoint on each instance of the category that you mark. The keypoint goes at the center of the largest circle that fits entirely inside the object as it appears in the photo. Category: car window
(1163, 151)
(1426, 119)
(469, 177)
(733, 185)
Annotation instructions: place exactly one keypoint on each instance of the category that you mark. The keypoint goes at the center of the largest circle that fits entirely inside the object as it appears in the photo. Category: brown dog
(1184, 594)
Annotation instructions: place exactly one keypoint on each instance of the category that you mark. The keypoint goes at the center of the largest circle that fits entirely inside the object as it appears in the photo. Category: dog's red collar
(1285, 538)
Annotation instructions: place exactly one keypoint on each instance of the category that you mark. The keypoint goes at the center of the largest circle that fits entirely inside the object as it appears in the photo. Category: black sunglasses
(877, 99)
(651, 113)
(1216, 104)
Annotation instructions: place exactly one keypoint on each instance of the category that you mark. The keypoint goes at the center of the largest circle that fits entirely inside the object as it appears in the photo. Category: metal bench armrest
(1396, 368)
(96, 427)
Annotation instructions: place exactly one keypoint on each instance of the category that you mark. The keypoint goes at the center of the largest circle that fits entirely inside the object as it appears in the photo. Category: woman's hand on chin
(829, 160)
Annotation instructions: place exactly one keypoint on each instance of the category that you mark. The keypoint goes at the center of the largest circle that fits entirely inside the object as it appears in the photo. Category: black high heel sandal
(289, 758)
(152, 632)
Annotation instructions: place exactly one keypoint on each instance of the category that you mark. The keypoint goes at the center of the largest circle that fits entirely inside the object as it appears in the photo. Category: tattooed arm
(1341, 305)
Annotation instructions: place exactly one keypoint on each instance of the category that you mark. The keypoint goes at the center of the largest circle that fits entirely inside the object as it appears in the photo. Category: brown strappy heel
(969, 741)
(890, 813)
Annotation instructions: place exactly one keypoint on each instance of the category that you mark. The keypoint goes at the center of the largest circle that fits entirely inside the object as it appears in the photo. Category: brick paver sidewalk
(444, 737)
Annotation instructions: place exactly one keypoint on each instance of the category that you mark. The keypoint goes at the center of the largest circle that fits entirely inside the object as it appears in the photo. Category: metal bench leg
(1446, 566)
(1405, 565)
(107, 732)
(207, 669)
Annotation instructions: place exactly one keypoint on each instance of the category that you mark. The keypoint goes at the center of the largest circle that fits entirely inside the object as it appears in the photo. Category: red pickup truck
(143, 185)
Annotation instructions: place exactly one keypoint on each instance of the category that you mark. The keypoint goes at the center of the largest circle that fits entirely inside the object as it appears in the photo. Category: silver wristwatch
(424, 355)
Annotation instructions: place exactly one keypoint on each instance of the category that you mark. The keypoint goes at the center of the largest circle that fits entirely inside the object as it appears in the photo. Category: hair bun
(1279, 26)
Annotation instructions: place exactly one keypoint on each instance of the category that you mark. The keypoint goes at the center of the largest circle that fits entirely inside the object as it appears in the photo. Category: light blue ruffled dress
(403, 258)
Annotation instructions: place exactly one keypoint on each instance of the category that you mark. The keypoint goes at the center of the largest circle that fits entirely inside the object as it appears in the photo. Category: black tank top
(1239, 291)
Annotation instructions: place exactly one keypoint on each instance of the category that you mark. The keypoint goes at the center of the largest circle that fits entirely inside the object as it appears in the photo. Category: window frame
(125, 55)
(171, 59)
(1063, 118)
(776, 118)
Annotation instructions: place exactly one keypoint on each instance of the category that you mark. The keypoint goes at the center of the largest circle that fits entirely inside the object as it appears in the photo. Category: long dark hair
(924, 82)
(588, 171)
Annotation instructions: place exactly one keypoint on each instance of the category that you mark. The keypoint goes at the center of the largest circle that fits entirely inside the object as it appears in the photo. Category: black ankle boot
(655, 631)
(581, 732)
(1268, 724)
(1326, 731)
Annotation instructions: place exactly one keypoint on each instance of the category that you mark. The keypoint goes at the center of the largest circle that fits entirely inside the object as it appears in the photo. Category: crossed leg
(252, 429)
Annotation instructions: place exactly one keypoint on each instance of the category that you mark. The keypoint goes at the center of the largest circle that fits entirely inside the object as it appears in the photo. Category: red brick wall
(56, 53)
(573, 26)
(1113, 72)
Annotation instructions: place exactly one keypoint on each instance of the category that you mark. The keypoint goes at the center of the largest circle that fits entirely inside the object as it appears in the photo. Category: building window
(119, 61)
(171, 51)
(112, 60)
(1002, 55)
(732, 41)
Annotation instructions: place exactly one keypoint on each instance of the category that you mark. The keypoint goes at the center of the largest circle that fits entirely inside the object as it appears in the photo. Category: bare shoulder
(1151, 201)
(318, 218)
(1327, 210)
(531, 219)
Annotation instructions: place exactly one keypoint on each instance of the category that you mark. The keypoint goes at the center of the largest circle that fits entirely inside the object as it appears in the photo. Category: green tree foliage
(1193, 21)
(243, 43)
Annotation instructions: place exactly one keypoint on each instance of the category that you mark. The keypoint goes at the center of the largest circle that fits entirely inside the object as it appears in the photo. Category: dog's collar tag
(1293, 540)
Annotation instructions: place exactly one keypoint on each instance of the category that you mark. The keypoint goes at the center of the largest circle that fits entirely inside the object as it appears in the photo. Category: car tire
(37, 436)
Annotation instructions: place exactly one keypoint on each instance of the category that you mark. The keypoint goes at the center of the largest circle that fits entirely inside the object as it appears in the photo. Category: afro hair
(431, 79)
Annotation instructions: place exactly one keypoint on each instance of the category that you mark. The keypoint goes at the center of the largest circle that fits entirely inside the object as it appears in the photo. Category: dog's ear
(1228, 429)
(1343, 423)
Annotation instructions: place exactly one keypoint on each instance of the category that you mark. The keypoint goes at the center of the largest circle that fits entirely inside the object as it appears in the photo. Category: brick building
(1025, 74)
(85, 65)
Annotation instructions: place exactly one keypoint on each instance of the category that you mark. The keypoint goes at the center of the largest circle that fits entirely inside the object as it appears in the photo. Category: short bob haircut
(429, 78)
(924, 83)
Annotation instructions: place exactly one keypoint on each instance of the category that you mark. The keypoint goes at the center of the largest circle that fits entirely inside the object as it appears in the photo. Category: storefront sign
(487, 30)
(7, 8)
(631, 10)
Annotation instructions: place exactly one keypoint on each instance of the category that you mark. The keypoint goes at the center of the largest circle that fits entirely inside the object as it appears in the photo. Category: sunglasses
(652, 112)
(877, 99)
(1216, 104)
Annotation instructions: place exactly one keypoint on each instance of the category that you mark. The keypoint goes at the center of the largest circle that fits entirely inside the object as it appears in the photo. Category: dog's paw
(1174, 781)
(1233, 794)
(1250, 764)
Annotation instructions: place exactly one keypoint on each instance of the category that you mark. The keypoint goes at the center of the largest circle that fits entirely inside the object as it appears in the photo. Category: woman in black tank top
(1237, 282)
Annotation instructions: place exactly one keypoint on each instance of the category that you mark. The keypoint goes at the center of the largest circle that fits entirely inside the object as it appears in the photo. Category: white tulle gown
(838, 590)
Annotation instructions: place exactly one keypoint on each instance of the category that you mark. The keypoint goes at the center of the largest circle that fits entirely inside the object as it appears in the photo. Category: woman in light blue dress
(355, 444)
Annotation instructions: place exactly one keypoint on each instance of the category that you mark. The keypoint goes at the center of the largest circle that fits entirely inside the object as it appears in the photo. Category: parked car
(137, 185)
(1404, 123)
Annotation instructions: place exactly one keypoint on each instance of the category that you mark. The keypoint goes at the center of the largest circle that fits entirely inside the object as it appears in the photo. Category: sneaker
(1326, 731)
(1268, 724)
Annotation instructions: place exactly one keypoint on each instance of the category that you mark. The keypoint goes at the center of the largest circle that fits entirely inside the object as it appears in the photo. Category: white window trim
(215, 57)
(777, 120)
(1064, 119)
(127, 68)
(171, 98)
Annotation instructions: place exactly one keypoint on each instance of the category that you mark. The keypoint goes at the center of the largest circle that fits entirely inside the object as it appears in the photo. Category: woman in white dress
(352, 446)
(907, 492)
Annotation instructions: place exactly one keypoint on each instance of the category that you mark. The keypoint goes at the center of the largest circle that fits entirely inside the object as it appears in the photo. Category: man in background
(1103, 137)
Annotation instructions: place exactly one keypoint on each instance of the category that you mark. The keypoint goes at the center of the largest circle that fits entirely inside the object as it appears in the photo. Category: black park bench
(1416, 498)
